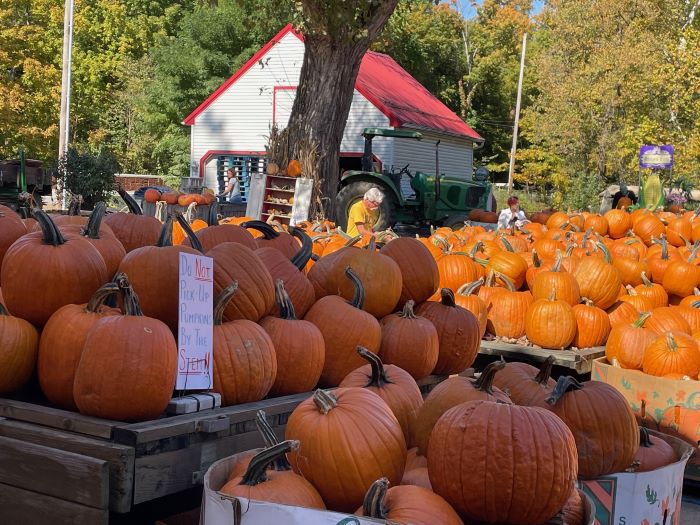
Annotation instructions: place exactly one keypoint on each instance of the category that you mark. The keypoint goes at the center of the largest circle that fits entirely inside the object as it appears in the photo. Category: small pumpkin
(654, 292)
(18, 351)
(507, 311)
(561, 282)
(151, 195)
(627, 343)
(592, 325)
(672, 352)
(550, 323)
(294, 168)
(653, 452)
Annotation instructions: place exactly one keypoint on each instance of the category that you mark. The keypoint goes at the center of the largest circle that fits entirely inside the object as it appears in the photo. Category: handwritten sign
(656, 157)
(196, 321)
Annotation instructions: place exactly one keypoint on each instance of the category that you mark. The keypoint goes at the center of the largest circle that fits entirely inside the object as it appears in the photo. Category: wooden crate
(124, 464)
(580, 361)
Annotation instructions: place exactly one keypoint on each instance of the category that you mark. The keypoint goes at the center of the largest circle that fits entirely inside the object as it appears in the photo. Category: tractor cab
(23, 182)
(411, 198)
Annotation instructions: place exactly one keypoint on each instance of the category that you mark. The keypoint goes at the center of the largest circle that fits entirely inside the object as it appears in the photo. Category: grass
(529, 201)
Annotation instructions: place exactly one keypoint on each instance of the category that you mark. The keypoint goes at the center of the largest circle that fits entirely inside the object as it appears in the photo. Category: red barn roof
(385, 84)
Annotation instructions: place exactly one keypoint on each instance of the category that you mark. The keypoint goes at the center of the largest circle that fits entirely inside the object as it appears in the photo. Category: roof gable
(384, 83)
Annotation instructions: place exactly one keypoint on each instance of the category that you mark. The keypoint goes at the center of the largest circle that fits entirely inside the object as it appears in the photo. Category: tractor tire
(455, 221)
(355, 191)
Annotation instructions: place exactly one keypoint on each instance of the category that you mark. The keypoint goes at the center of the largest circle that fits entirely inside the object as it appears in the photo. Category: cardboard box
(644, 497)
(666, 405)
(218, 509)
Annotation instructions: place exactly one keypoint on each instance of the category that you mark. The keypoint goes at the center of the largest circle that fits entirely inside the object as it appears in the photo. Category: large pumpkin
(563, 283)
(62, 342)
(298, 345)
(20, 343)
(373, 445)
(126, 356)
(525, 384)
(506, 316)
(133, 229)
(419, 271)
(407, 504)
(245, 363)
(672, 353)
(523, 458)
(628, 342)
(344, 326)
(619, 223)
(598, 280)
(410, 342)
(681, 277)
(592, 325)
(458, 333)
(271, 238)
(550, 323)
(602, 422)
(71, 271)
(649, 227)
(452, 392)
(394, 385)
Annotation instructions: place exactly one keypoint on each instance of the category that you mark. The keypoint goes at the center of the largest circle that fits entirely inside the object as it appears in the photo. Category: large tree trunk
(337, 35)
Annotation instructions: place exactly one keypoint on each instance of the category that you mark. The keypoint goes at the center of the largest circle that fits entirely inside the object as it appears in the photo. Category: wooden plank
(53, 472)
(119, 457)
(175, 471)
(19, 506)
(56, 418)
(579, 360)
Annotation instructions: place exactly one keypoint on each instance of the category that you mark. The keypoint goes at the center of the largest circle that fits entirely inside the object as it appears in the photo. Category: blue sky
(468, 10)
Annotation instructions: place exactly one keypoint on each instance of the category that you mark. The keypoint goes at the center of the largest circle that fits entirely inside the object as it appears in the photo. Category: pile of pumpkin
(78, 281)
(174, 197)
(505, 448)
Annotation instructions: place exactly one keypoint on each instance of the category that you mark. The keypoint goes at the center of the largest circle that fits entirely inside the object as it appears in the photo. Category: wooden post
(517, 117)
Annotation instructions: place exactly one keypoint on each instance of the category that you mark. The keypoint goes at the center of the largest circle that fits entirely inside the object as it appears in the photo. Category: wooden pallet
(97, 466)
(580, 361)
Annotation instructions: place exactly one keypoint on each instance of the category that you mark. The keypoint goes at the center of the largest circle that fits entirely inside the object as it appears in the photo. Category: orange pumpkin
(672, 352)
(294, 168)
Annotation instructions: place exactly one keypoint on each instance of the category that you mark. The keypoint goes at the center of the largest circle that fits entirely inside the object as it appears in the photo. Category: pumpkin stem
(552, 295)
(570, 249)
(51, 233)
(3, 310)
(644, 438)
(213, 215)
(222, 302)
(378, 378)
(372, 244)
(325, 401)
(545, 372)
(130, 202)
(352, 241)
(92, 228)
(695, 304)
(606, 253)
(586, 301)
(358, 298)
(373, 505)
(407, 312)
(194, 240)
(630, 290)
(671, 341)
(470, 288)
(475, 249)
(557, 262)
(301, 258)
(646, 280)
(270, 439)
(536, 261)
(255, 473)
(564, 384)
(447, 297)
(506, 280)
(639, 323)
(507, 244)
(166, 233)
(285, 303)
(101, 296)
(131, 300)
(268, 231)
(490, 279)
(485, 381)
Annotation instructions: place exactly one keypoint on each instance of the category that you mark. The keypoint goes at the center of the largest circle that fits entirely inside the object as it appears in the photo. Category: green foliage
(88, 174)
(529, 200)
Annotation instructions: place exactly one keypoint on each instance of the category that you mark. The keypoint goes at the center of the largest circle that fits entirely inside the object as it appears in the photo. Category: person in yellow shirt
(364, 214)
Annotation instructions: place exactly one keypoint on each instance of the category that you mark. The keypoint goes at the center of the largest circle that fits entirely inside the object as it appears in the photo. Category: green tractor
(22, 183)
(438, 200)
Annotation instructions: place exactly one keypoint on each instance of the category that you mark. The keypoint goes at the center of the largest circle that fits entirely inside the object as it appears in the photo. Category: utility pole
(511, 167)
(64, 127)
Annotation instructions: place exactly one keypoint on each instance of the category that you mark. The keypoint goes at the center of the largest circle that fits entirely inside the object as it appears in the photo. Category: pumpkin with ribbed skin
(592, 325)
(506, 316)
(264, 481)
(456, 269)
(296, 342)
(452, 392)
(410, 342)
(11, 229)
(653, 452)
(538, 266)
(133, 229)
(35, 295)
(550, 323)
(681, 277)
(524, 486)
(419, 271)
(660, 260)
(255, 297)
(407, 504)
(654, 292)
(126, 355)
(271, 238)
(602, 422)
(598, 279)
(158, 296)
(245, 362)
(574, 511)
(561, 282)
(18, 351)
(640, 302)
(62, 341)
(394, 385)
(648, 227)
(466, 297)
(509, 264)
(667, 319)
(630, 270)
(458, 333)
(621, 313)
(525, 384)
(344, 326)
(628, 342)
(672, 352)
(367, 428)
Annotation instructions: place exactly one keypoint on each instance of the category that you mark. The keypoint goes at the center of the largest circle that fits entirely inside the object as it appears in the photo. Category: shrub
(87, 174)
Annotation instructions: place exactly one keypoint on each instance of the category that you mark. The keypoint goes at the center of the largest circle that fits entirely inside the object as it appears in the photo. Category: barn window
(243, 166)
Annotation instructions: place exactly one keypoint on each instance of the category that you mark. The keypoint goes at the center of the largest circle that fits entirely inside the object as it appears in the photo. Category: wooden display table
(580, 361)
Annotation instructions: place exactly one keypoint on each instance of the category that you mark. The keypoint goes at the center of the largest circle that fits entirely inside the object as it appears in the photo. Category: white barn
(230, 127)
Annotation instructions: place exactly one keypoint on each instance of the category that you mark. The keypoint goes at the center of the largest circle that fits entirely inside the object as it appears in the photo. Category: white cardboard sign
(195, 323)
